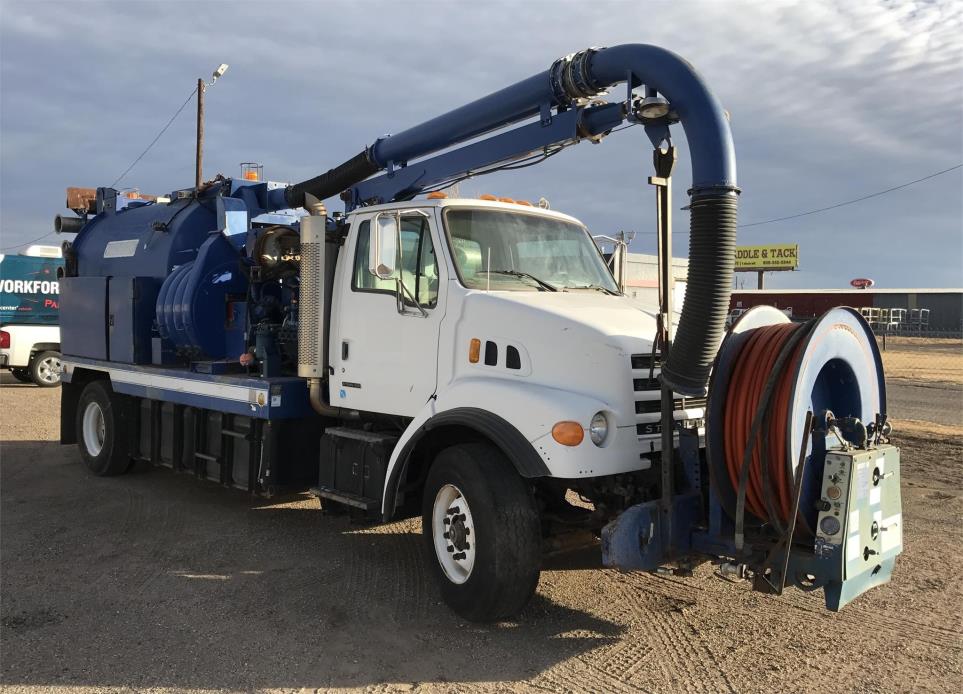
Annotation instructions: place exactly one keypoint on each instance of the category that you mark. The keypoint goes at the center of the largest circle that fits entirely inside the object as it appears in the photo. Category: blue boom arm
(565, 128)
(557, 97)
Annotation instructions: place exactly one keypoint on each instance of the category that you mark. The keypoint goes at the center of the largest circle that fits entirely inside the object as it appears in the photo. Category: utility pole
(760, 283)
(199, 160)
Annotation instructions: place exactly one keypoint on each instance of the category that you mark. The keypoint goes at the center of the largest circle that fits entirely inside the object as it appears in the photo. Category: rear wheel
(101, 435)
(482, 532)
(45, 369)
(21, 374)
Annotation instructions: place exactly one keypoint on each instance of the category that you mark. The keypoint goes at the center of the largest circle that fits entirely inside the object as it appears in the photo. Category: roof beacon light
(251, 171)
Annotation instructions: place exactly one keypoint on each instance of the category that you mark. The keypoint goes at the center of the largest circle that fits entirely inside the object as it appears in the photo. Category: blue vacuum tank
(175, 260)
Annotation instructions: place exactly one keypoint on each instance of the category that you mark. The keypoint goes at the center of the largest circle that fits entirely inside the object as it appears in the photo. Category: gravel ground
(153, 581)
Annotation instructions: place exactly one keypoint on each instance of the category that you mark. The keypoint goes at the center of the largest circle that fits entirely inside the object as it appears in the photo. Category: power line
(152, 142)
(26, 243)
(850, 202)
(126, 171)
(838, 204)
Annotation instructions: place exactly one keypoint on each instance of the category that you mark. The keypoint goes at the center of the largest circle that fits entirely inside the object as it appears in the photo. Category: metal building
(945, 306)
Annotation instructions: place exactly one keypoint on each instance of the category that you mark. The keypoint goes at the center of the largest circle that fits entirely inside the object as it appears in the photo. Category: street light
(201, 87)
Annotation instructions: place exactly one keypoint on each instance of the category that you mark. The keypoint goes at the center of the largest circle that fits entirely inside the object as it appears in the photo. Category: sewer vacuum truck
(473, 361)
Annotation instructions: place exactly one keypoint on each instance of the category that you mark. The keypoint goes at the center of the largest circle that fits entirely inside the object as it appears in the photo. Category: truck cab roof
(441, 203)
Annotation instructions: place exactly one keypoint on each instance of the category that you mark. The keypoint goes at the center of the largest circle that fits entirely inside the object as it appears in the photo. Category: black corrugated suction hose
(332, 182)
(712, 257)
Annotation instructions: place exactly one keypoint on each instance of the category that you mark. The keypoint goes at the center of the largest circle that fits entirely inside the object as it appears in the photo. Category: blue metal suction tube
(584, 75)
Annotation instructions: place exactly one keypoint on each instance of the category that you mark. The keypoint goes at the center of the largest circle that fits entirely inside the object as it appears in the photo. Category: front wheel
(482, 532)
(101, 431)
(45, 369)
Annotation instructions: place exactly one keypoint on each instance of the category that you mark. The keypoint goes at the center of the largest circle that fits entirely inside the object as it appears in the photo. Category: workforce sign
(784, 256)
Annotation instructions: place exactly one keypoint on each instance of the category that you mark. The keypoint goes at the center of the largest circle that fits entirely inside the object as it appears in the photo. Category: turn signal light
(437, 195)
(568, 433)
(474, 350)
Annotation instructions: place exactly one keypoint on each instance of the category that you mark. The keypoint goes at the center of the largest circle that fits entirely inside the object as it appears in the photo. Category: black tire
(113, 458)
(45, 369)
(21, 374)
(508, 552)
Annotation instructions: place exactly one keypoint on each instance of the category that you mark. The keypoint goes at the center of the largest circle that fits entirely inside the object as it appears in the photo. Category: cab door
(384, 352)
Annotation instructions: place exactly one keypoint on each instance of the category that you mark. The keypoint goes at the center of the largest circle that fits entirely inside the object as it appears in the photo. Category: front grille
(648, 397)
(649, 406)
(645, 384)
(646, 361)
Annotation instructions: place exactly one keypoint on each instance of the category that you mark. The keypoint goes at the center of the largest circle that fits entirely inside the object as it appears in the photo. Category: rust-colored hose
(752, 370)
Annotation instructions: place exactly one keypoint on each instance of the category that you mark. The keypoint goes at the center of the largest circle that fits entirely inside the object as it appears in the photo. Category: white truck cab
(497, 336)
(500, 308)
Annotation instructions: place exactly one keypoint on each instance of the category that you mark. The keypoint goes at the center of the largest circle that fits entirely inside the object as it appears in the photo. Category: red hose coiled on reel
(769, 488)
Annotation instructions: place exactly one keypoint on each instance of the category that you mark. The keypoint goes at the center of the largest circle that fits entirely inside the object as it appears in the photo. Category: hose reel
(769, 374)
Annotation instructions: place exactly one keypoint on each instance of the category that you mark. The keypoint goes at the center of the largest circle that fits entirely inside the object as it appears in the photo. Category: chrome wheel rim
(49, 369)
(94, 429)
(453, 534)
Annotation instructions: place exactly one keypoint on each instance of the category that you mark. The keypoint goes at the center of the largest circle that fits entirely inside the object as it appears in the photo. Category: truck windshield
(524, 252)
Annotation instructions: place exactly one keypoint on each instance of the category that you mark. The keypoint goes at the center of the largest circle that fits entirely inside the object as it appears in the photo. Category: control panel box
(860, 519)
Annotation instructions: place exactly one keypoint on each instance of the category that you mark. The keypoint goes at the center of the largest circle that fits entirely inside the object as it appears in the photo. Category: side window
(419, 270)
(362, 279)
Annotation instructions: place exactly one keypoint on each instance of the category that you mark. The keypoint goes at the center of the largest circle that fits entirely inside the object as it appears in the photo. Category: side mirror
(385, 242)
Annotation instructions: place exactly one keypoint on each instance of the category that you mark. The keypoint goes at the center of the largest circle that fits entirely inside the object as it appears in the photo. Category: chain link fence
(924, 375)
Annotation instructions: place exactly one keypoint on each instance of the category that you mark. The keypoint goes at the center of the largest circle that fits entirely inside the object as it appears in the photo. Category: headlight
(599, 428)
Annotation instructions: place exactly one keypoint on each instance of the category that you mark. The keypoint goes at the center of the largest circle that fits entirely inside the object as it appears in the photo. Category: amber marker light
(474, 349)
(487, 196)
(437, 195)
(568, 433)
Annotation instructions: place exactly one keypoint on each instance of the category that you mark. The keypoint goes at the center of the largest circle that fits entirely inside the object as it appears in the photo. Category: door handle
(344, 350)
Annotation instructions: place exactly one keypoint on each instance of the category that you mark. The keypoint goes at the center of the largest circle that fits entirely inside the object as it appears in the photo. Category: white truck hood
(581, 340)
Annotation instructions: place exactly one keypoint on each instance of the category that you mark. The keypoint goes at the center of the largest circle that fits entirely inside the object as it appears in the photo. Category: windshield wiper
(595, 286)
(519, 273)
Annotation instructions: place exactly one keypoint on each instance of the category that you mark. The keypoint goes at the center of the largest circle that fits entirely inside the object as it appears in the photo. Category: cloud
(829, 101)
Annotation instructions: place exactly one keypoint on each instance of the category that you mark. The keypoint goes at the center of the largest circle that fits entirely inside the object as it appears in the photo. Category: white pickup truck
(29, 304)
(31, 353)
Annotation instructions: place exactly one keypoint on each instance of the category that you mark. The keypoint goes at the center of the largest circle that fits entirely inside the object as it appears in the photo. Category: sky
(829, 101)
